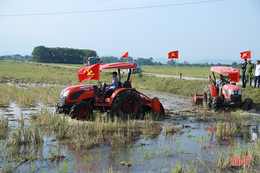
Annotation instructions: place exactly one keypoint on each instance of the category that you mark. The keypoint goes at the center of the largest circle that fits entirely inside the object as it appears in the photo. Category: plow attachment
(152, 105)
(198, 99)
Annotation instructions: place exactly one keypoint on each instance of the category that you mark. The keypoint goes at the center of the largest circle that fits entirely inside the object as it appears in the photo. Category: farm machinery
(79, 101)
(223, 92)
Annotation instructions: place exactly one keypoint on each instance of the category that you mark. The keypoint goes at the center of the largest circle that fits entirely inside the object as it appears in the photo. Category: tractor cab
(79, 101)
(231, 76)
(126, 84)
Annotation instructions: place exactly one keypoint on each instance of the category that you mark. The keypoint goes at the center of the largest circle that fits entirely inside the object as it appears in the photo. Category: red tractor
(223, 92)
(79, 101)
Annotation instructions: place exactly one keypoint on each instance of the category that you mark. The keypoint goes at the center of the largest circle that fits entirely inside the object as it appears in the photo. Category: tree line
(61, 55)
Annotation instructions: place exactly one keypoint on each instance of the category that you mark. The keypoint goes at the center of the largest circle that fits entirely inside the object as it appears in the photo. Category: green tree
(61, 55)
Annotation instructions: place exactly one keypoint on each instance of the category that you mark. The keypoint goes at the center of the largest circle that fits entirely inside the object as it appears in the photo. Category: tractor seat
(127, 84)
(119, 85)
(95, 89)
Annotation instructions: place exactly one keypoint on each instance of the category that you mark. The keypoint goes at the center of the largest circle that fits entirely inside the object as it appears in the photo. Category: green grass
(29, 96)
(200, 72)
(36, 73)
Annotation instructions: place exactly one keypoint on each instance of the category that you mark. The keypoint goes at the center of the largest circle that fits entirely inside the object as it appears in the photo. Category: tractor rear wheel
(81, 110)
(247, 104)
(207, 98)
(127, 103)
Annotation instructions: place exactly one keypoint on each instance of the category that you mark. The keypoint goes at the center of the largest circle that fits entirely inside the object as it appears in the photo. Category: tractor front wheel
(247, 104)
(207, 99)
(127, 103)
(81, 110)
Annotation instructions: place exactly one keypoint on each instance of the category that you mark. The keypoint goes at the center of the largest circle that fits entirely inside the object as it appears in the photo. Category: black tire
(247, 104)
(207, 99)
(127, 103)
(81, 110)
(216, 103)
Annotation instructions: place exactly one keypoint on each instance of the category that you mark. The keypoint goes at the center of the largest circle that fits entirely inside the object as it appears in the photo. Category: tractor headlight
(64, 94)
(231, 92)
(239, 92)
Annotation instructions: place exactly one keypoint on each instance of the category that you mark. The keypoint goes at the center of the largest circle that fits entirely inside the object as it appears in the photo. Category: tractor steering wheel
(100, 84)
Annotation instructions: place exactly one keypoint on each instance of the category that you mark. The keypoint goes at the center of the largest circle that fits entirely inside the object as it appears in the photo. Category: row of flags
(175, 55)
(92, 72)
(171, 55)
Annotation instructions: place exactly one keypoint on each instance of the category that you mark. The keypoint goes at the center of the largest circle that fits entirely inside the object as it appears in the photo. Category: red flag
(245, 55)
(89, 73)
(125, 55)
(173, 54)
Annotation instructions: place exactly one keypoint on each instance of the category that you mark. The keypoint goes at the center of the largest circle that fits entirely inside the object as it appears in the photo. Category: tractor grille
(235, 98)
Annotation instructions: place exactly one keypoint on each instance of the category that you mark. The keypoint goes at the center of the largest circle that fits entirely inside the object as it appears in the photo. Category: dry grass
(86, 134)
(251, 150)
(227, 130)
(27, 135)
(4, 128)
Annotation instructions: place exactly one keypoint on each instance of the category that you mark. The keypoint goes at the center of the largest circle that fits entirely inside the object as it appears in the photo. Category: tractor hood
(231, 87)
(78, 87)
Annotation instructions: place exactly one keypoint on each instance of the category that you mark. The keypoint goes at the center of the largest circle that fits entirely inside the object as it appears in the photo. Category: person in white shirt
(257, 74)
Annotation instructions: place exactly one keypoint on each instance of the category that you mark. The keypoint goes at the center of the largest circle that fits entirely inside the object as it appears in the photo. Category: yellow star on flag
(245, 54)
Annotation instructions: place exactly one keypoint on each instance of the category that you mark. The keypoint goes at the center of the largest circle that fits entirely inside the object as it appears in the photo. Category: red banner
(173, 54)
(246, 55)
(125, 55)
(89, 73)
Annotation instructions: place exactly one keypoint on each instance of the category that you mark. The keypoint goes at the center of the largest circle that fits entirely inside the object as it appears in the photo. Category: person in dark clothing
(221, 82)
(243, 67)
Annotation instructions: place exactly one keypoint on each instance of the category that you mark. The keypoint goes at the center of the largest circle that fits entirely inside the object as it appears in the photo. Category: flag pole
(176, 67)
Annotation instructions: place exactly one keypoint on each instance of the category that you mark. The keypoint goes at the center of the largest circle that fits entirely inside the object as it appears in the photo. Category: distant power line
(108, 10)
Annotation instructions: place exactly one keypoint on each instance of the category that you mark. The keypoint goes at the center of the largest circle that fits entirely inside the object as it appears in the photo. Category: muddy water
(14, 112)
(160, 154)
(173, 103)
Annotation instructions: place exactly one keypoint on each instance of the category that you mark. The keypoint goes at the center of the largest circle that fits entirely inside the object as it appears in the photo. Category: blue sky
(203, 31)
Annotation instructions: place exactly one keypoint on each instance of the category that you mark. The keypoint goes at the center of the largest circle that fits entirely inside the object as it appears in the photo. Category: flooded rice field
(188, 140)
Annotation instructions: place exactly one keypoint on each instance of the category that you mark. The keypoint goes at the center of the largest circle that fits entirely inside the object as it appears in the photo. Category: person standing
(249, 72)
(243, 67)
(257, 74)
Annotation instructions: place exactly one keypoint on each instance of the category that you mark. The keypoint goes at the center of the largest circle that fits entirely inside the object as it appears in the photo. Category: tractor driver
(221, 82)
(113, 86)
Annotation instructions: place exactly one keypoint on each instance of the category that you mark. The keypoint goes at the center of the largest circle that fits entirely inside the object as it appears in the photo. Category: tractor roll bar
(214, 78)
(119, 76)
(129, 74)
